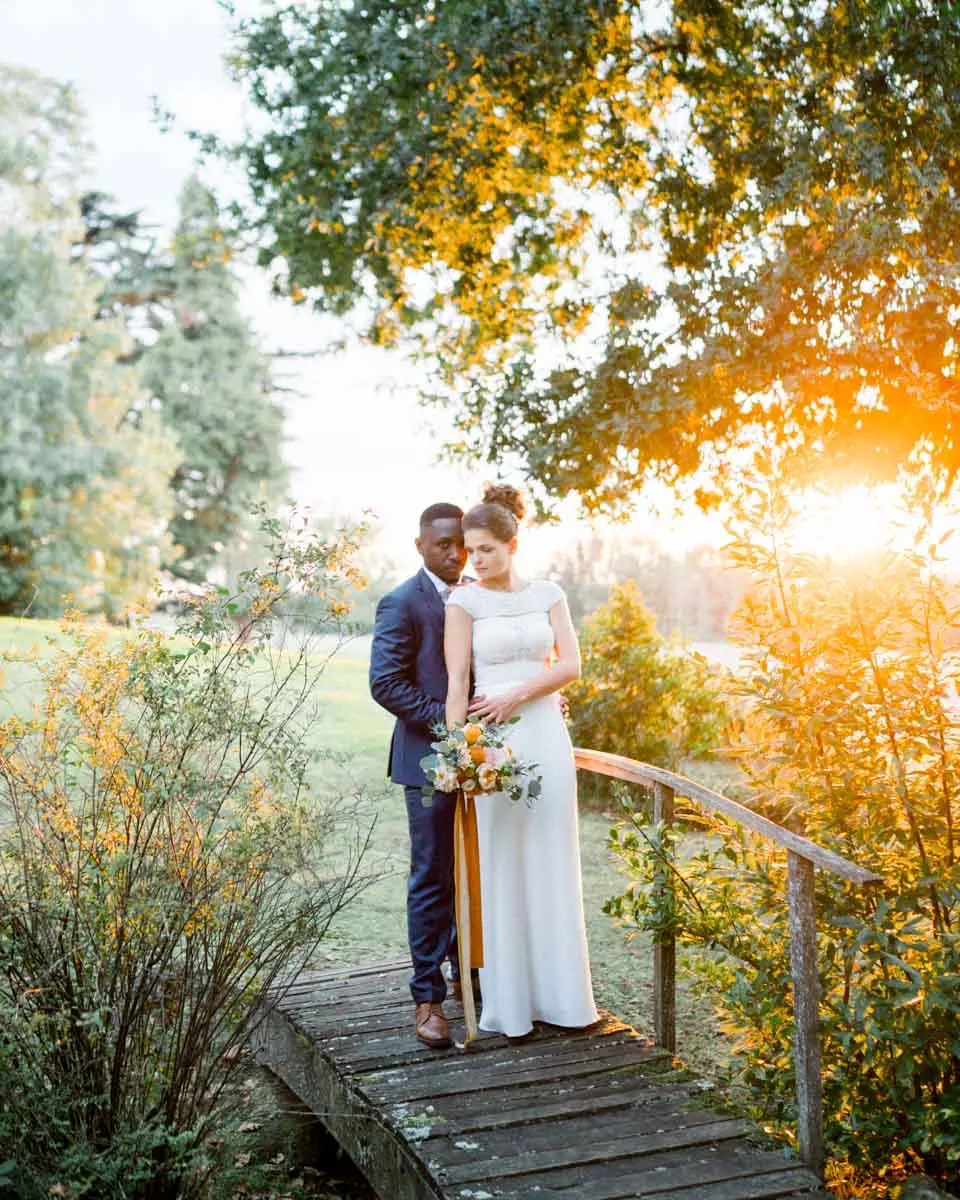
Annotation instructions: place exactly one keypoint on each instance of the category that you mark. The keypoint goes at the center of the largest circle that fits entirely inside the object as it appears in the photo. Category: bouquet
(472, 758)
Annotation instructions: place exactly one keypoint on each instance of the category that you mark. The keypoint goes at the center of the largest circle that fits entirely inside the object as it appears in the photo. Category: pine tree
(211, 385)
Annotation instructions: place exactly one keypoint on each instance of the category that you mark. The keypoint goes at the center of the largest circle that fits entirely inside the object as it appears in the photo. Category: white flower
(446, 779)
(469, 785)
(487, 776)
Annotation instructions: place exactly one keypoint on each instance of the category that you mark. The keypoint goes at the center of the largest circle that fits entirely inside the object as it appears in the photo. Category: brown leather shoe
(432, 1028)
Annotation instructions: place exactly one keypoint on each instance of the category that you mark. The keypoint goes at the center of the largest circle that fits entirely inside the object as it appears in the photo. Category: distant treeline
(692, 593)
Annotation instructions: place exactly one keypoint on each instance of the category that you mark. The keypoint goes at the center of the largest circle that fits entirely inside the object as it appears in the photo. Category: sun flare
(846, 524)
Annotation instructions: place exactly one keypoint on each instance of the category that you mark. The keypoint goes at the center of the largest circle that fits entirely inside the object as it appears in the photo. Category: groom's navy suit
(408, 678)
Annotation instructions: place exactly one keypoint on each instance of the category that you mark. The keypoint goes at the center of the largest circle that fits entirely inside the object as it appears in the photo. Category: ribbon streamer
(469, 918)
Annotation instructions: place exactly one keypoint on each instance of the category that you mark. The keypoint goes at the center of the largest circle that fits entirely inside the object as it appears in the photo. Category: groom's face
(441, 547)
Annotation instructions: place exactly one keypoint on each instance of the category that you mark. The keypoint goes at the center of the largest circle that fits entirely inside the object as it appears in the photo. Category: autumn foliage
(163, 862)
(851, 736)
(628, 237)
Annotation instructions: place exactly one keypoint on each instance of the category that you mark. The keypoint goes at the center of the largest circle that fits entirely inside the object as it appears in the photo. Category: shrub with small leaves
(163, 862)
(852, 738)
(640, 695)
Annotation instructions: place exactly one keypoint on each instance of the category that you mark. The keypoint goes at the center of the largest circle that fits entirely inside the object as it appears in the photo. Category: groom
(409, 679)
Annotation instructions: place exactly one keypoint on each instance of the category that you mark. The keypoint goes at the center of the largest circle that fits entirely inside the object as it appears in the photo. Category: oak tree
(630, 237)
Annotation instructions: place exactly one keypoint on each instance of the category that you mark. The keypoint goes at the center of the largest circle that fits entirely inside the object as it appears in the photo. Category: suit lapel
(430, 594)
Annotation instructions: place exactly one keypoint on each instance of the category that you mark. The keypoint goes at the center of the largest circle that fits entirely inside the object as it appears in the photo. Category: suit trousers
(431, 911)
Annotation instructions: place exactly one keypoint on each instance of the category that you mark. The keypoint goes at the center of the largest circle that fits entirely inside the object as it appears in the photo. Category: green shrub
(639, 695)
(163, 861)
(852, 737)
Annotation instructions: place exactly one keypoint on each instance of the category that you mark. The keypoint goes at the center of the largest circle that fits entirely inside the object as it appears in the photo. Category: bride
(519, 641)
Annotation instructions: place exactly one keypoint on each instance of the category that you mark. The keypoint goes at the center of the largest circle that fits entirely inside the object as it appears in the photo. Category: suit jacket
(408, 676)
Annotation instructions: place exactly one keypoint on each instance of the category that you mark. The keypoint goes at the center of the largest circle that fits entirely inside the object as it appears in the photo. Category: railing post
(806, 1001)
(665, 944)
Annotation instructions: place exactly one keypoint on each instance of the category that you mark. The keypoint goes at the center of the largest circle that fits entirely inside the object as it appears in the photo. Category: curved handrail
(633, 771)
(803, 856)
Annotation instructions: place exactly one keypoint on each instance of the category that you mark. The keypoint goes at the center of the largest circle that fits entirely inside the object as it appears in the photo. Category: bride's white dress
(536, 965)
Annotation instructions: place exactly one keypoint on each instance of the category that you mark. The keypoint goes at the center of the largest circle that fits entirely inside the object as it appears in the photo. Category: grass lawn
(373, 929)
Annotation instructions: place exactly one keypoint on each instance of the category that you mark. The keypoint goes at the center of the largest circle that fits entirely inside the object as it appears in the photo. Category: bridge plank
(549, 1042)
(500, 1108)
(575, 1142)
(698, 1170)
(423, 1080)
(383, 1029)
(586, 1115)
(794, 1182)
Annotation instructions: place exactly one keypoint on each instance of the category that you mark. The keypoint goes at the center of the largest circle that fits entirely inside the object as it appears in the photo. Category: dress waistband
(500, 677)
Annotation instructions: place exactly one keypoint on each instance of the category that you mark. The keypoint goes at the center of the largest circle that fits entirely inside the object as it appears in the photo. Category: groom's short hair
(439, 512)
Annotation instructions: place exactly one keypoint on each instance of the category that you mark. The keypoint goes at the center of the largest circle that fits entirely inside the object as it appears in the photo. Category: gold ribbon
(469, 918)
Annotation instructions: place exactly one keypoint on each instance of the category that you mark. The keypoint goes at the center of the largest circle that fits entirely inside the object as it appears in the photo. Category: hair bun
(511, 498)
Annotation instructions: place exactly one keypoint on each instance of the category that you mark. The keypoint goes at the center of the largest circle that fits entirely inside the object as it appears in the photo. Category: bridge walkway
(602, 1114)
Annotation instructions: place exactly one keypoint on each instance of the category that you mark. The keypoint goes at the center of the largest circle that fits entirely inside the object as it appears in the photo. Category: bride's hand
(495, 708)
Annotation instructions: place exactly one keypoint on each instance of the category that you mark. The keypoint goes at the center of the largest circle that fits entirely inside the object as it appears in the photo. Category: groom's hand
(496, 708)
(476, 703)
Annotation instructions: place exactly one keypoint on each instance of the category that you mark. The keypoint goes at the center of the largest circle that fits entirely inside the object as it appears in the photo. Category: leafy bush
(853, 739)
(639, 695)
(163, 862)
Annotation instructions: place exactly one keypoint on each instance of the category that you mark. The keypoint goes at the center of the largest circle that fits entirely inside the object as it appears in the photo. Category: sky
(357, 438)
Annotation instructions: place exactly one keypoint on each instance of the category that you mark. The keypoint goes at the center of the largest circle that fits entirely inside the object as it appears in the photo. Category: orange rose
(472, 733)
(478, 754)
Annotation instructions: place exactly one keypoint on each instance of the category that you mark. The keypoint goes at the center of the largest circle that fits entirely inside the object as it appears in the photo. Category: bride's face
(491, 558)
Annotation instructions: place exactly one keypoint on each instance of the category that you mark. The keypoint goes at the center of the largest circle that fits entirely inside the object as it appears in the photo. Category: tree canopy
(630, 236)
(84, 498)
(138, 420)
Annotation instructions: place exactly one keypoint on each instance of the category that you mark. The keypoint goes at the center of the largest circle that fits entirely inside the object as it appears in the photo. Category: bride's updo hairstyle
(500, 513)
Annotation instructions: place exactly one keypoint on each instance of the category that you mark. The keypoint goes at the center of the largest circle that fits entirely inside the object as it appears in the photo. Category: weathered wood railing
(802, 857)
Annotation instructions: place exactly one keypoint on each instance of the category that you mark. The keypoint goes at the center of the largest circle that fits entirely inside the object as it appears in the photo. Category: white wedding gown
(536, 966)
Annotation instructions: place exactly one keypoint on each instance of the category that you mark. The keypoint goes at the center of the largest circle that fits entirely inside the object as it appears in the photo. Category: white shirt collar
(442, 588)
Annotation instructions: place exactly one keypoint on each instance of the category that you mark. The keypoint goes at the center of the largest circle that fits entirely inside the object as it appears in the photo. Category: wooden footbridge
(599, 1114)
